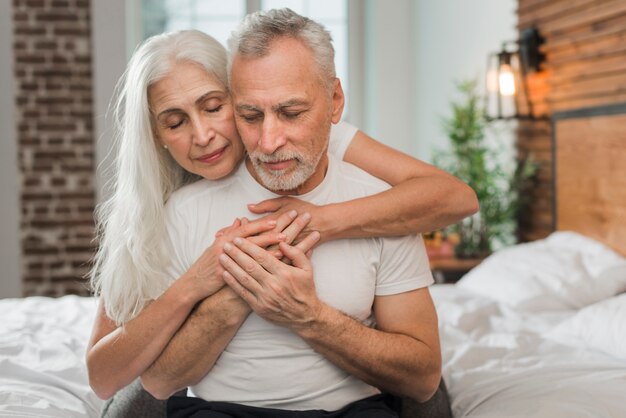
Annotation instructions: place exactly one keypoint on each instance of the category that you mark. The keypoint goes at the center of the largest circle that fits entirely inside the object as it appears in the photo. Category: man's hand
(278, 292)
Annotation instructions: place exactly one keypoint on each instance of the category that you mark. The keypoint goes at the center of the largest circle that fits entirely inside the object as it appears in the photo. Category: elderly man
(326, 334)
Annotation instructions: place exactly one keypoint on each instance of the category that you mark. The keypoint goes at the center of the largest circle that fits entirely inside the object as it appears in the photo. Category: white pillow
(601, 326)
(564, 271)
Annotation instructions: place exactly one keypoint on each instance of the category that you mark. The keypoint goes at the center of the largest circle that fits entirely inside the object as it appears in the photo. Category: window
(215, 17)
(218, 18)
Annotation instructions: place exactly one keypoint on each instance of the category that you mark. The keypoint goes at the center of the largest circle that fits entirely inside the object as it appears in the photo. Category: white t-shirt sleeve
(341, 135)
(403, 265)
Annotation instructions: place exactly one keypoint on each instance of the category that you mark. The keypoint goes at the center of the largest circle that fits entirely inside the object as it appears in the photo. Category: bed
(536, 330)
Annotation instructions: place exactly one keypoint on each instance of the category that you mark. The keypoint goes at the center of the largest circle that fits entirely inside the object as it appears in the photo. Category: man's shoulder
(358, 180)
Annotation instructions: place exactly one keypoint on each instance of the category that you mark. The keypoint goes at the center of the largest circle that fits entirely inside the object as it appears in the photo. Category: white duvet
(42, 357)
(538, 330)
(500, 363)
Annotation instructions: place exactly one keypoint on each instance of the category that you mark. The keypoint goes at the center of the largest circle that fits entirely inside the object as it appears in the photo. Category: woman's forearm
(153, 344)
(123, 353)
(423, 198)
(417, 205)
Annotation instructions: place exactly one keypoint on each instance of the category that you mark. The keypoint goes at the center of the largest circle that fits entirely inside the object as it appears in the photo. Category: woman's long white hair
(129, 265)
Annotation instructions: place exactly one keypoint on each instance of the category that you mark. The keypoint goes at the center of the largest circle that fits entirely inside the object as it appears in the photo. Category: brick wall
(52, 46)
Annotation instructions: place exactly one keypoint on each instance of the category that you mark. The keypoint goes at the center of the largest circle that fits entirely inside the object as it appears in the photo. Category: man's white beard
(287, 179)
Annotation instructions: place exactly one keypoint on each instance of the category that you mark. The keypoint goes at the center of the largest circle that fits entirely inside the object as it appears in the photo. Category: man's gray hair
(256, 33)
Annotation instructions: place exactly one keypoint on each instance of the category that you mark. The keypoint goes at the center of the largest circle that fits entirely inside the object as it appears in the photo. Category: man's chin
(289, 180)
(280, 185)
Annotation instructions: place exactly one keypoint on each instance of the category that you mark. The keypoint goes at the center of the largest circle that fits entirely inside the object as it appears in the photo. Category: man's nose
(272, 136)
(203, 132)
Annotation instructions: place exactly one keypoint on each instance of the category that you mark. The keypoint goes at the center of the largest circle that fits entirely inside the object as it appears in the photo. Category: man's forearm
(193, 350)
(393, 362)
(402, 356)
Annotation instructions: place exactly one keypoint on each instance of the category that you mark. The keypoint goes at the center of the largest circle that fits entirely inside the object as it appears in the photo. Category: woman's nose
(203, 133)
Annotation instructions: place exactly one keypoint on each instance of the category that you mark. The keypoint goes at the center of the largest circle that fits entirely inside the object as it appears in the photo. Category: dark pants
(379, 406)
(134, 402)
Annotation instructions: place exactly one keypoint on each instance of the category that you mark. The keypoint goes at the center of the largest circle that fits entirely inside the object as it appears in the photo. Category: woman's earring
(165, 146)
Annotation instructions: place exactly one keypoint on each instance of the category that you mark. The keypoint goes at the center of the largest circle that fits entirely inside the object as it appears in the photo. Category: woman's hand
(206, 273)
(280, 205)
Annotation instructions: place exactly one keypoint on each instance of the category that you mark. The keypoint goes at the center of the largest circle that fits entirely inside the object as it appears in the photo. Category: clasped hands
(262, 263)
(283, 293)
(277, 285)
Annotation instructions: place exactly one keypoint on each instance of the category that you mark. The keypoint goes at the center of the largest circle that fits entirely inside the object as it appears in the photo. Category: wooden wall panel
(592, 177)
(584, 18)
(547, 10)
(535, 138)
(585, 66)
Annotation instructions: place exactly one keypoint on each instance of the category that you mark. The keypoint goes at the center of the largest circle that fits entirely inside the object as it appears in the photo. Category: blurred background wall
(61, 59)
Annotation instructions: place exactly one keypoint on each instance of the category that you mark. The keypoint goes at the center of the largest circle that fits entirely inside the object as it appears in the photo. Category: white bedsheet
(42, 366)
(499, 363)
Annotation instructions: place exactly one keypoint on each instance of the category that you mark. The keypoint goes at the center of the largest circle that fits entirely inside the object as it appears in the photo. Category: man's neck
(310, 184)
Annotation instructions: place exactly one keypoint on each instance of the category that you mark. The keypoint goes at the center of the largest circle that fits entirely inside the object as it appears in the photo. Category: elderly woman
(164, 144)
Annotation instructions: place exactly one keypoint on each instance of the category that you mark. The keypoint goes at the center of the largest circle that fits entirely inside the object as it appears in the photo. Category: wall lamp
(506, 90)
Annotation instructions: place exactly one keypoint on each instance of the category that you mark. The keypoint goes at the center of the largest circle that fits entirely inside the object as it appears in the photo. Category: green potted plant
(498, 184)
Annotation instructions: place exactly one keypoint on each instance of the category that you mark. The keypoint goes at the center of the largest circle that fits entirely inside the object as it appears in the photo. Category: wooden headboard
(589, 149)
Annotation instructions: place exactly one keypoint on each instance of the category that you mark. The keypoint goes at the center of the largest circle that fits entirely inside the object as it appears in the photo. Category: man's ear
(339, 100)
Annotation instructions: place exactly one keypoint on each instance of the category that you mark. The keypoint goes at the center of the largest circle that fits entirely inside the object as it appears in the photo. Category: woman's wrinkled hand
(206, 274)
(280, 205)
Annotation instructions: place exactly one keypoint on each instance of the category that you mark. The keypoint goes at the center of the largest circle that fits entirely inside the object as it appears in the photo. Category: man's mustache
(276, 156)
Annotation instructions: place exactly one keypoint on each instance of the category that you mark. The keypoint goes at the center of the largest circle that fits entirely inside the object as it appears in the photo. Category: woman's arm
(117, 355)
(423, 198)
(176, 339)
(195, 348)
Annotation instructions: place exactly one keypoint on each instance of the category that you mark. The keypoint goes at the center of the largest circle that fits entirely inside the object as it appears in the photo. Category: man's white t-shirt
(266, 365)
(341, 135)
